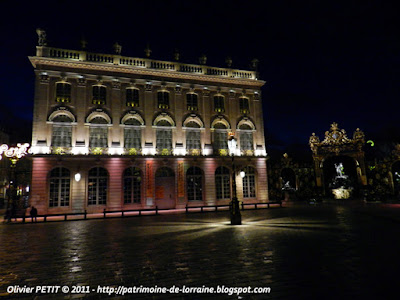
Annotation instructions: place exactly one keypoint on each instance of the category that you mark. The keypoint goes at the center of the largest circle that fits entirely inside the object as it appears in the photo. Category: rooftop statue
(41, 37)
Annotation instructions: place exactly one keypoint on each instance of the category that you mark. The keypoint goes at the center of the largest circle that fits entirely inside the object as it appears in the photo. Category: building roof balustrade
(146, 63)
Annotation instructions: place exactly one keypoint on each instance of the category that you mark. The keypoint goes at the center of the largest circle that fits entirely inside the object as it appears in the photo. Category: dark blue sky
(323, 61)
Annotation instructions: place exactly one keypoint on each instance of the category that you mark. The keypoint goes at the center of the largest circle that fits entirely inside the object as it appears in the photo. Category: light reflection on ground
(293, 250)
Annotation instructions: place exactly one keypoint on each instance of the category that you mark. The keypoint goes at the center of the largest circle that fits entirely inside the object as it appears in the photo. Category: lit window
(222, 183)
(246, 137)
(97, 186)
(59, 187)
(194, 184)
(63, 92)
(98, 134)
(164, 137)
(193, 136)
(163, 100)
(132, 97)
(132, 138)
(191, 101)
(244, 105)
(61, 136)
(99, 95)
(249, 183)
(132, 185)
(220, 136)
(62, 132)
(219, 105)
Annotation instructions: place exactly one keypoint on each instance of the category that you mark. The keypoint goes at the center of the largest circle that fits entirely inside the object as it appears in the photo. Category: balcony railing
(143, 63)
(194, 152)
(133, 151)
(98, 150)
(60, 150)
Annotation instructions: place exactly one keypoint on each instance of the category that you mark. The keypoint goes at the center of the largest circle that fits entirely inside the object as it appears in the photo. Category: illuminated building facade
(118, 133)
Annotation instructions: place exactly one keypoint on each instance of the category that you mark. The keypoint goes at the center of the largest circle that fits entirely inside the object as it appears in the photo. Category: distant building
(113, 132)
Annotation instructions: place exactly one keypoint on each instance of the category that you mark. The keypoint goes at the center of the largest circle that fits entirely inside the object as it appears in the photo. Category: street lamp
(236, 217)
(77, 177)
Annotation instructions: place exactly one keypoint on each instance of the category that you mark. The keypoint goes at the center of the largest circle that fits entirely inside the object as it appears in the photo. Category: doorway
(165, 188)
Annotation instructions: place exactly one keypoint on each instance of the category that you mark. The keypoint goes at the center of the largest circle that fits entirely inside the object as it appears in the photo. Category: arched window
(246, 137)
(219, 105)
(59, 187)
(244, 105)
(194, 184)
(191, 101)
(132, 97)
(132, 185)
(133, 134)
(97, 186)
(220, 136)
(193, 136)
(99, 94)
(63, 92)
(249, 183)
(163, 136)
(98, 133)
(163, 99)
(62, 131)
(223, 183)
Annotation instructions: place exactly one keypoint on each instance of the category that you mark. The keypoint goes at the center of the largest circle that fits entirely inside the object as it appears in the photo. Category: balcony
(133, 151)
(60, 150)
(98, 150)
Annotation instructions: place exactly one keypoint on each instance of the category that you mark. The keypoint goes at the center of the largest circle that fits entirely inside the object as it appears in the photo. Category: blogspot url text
(125, 290)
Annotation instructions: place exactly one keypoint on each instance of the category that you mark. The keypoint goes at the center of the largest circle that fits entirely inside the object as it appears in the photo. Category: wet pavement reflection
(301, 252)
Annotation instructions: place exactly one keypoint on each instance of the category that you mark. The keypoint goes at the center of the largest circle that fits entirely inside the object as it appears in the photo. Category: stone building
(118, 133)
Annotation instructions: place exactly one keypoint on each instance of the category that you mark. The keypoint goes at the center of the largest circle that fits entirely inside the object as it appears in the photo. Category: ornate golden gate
(334, 144)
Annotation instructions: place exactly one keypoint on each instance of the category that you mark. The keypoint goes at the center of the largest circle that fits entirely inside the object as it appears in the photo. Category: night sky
(323, 61)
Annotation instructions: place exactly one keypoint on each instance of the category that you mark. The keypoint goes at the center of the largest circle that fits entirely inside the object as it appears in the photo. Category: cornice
(35, 60)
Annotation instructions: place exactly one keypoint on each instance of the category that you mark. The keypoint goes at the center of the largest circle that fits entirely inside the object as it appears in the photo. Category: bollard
(186, 208)
(255, 205)
(104, 213)
(45, 218)
(23, 219)
(201, 209)
(242, 205)
(85, 214)
(122, 214)
(267, 205)
(216, 207)
(156, 210)
(140, 212)
(65, 217)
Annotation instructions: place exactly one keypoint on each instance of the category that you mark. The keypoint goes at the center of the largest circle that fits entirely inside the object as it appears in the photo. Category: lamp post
(14, 154)
(236, 217)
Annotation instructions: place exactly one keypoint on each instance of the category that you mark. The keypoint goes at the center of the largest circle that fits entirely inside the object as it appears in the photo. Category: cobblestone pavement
(325, 251)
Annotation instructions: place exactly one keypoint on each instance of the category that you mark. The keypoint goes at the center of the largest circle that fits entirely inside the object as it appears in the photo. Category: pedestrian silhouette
(33, 213)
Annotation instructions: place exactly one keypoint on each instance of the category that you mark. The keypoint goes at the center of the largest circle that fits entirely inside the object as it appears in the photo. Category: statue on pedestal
(41, 37)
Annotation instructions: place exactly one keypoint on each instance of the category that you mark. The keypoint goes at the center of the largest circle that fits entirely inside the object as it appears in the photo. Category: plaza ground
(325, 251)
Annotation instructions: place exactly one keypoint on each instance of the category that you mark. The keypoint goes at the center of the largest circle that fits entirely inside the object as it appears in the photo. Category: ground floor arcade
(63, 184)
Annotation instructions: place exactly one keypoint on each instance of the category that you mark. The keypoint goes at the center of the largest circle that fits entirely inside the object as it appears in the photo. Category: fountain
(340, 185)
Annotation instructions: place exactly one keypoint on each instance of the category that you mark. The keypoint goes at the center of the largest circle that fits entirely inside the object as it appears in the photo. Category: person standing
(33, 213)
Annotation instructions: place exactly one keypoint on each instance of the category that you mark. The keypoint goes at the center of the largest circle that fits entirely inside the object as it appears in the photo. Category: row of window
(99, 97)
(98, 137)
(97, 186)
